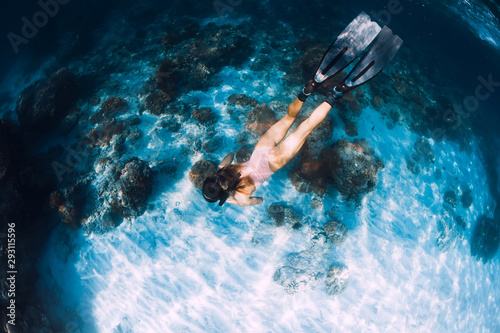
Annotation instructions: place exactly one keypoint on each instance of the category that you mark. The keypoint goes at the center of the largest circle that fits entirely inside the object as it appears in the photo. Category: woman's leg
(280, 156)
(277, 132)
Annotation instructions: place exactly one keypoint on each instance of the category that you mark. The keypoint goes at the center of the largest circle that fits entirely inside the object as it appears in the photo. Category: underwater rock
(211, 49)
(166, 77)
(350, 109)
(316, 203)
(450, 198)
(336, 280)
(157, 101)
(312, 148)
(171, 38)
(423, 148)
(4, 157)
(120, 191)
(244, 153)
(136, 185)
(460, 222)
(213, 143)
(200, 171)
(281, 215)
(63, 202)
(293, 280)
(412, 164)
(204, 116)
(171, 124)
(306, 186)
(261, 113)
(351, 129)
(421, 157)
(179, 32)
(312, 169)
(336, 231)
(69, 122)
(352, 166)
(466, 198)
(42, 105)
(311, 176)
(109, 109)
(103, 134)
(301, 270)
(220, 46)
(377, 102)
(77, 201)
(485, 238)
(260, 119)
(243, 100)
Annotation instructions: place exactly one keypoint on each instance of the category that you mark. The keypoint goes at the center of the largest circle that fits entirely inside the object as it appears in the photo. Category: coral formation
(485, 238)
(110, 108)
(281, 214)
(421, 157)
(352, 166)
(467, 198)
(260, 119)
(336, 280)
(336, 232)
(200, 171)
(44, 104)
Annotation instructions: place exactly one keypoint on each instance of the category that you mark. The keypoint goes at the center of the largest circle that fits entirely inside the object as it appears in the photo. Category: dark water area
(438, 42)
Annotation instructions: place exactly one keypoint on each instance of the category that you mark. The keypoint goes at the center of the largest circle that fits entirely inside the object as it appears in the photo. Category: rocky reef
(200, 171)
(47, 102)
(485, 239)
(336, 279)
(283, 214)
(213, 47)
(422, 156)
(336, 232)
(352, 166)
(300, 271)
(122, 192)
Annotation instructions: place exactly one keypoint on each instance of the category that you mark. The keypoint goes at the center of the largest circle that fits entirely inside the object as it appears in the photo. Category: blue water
(187, 266)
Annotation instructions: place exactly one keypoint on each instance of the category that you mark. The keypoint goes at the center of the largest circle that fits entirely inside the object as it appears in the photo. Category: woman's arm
(243, 200)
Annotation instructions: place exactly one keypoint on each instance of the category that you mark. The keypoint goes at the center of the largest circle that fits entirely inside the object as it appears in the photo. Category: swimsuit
(258, 166)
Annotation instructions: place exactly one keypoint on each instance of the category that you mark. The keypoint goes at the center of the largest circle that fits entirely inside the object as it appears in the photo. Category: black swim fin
(381, 52)
(348, 45)
(373, 62)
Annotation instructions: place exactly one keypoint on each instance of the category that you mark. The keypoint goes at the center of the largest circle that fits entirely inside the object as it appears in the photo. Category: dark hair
(226, 180)
(228, 173)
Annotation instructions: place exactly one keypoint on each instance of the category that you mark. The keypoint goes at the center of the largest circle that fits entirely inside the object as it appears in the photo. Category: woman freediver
(235, 183)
